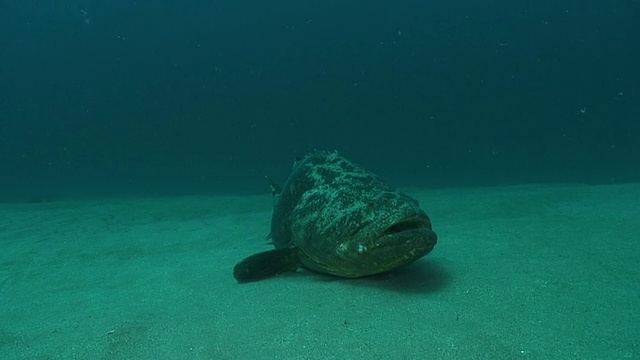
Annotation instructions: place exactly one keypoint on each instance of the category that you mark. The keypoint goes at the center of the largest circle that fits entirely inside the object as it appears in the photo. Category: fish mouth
(400, 243)
(405, 241)
(412, 223)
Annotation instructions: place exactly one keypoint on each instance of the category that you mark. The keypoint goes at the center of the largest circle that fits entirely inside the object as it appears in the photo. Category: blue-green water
(165, 97)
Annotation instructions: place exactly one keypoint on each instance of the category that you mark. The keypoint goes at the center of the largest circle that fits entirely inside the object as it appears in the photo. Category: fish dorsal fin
(275, 188)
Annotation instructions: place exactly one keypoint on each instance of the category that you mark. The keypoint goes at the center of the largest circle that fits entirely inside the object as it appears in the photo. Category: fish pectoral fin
(267, 264)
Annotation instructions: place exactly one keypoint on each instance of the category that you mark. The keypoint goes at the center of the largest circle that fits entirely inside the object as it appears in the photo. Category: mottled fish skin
(346, 221)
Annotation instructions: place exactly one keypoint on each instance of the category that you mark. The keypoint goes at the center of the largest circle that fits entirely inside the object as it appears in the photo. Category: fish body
(333, 217)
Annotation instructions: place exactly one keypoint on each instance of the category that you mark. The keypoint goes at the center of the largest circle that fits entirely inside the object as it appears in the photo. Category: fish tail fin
(267, 264)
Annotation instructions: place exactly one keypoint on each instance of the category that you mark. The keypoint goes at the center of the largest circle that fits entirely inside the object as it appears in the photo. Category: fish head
(400, 239)
(375, 236)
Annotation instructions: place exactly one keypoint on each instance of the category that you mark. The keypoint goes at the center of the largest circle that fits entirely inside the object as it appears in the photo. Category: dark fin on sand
(267, 264)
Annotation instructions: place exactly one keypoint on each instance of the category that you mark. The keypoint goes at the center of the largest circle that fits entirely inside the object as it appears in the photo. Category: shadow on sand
(425, 276)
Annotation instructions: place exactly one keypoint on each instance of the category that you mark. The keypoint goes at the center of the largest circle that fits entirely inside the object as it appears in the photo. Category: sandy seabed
(527, 272)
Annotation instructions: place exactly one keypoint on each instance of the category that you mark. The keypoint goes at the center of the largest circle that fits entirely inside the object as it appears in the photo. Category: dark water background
(174, 97)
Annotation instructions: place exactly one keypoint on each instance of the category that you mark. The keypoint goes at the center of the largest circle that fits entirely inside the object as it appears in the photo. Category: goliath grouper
(333, 217)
